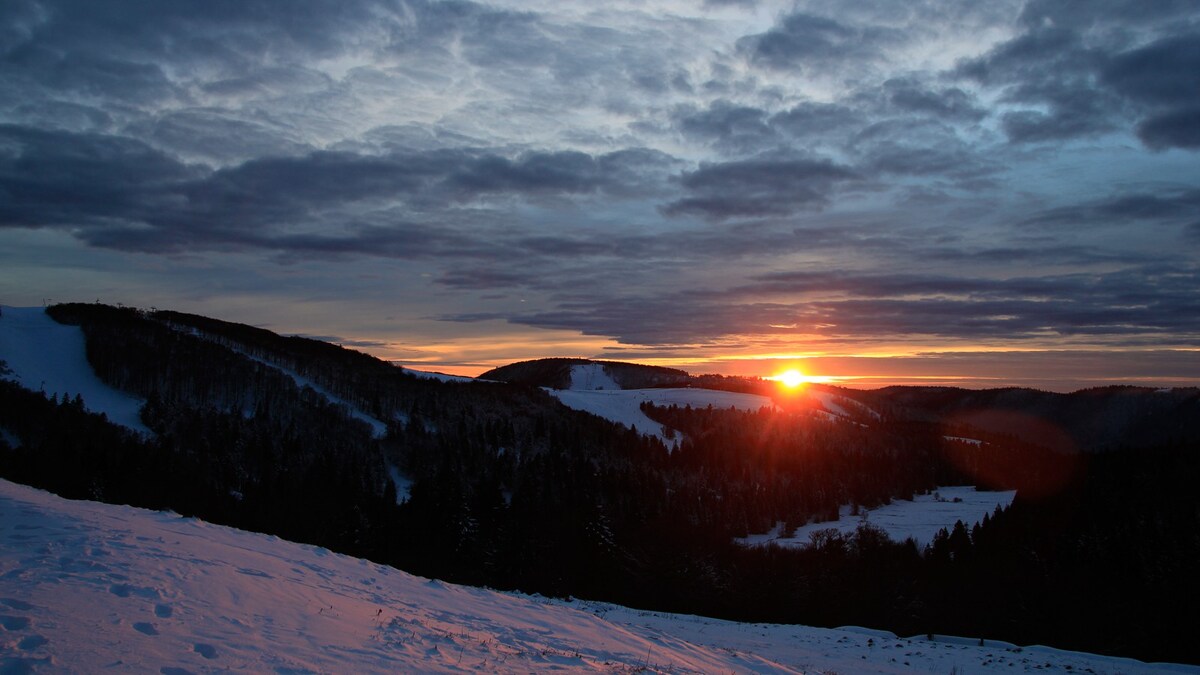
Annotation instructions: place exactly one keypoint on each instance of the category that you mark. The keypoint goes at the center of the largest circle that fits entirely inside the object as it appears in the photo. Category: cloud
(812, 119)
(118, 192)
(952, 103)
(762, 186)
(1049, 71)
(1080, 73)
(214, 136)
(1167, 206)
(345, 342)
(729, 126)
(1102, 13)
(1124, 307)
(1166, 71)
(474, 278)
(54, 178)
(1179, 128)
(806, 41)
(904, 155)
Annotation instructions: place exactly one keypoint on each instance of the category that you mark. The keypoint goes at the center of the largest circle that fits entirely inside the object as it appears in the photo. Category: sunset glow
(791, 378)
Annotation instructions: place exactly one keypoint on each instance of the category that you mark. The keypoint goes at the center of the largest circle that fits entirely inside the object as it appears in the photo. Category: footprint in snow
(206, 650)
(19, 605)
(125, 590)
(145, 628)
(253, 573)
(163, 611)
(14, 622)
(32, 642)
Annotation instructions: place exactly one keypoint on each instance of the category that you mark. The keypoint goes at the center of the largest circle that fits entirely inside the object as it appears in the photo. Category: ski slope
(919, 519)
(623, 406)
(87, 587)
(50, 357)
(378, 427)
(591, 377)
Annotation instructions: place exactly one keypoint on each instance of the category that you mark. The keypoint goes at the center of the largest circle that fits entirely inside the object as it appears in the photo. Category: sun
(791, 378)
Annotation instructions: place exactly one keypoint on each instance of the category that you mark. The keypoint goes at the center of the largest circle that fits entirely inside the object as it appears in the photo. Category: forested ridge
(512, 490)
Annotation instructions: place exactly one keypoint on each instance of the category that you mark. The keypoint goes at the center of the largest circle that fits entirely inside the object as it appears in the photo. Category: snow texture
(623, 406)
(50, 357)
(920, 519)
(87, 586)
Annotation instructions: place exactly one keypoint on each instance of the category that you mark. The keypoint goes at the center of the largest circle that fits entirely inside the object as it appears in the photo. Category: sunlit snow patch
(623, 406)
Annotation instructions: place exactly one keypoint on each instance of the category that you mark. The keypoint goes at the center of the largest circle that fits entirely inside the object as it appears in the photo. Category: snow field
(50, 357)
(86, 586)
(920, 519)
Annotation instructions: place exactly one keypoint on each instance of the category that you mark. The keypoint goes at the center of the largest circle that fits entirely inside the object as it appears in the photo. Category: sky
(968, 192)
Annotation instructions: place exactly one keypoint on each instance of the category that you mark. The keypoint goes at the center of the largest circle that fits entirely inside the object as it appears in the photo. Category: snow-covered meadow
(87, 587)
(920, 518)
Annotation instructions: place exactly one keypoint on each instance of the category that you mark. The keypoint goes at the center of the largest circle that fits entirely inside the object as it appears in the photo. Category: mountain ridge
(498, 484)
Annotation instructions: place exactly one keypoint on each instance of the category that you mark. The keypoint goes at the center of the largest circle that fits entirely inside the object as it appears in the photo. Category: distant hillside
(1092, 419)
(556, 374)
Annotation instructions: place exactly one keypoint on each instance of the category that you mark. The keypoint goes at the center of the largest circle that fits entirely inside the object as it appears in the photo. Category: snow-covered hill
(87, 586)
(623, 406)
(47, 356)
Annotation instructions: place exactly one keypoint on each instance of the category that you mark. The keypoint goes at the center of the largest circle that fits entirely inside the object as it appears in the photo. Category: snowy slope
(920, 519)
(86, 586)
(47, 356)
(590, 377)
(623, 405)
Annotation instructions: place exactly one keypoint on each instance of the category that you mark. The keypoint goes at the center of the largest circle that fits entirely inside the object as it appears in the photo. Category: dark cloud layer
(1131, 305)
(807, 41)
(1081, 73)
(762, 186)
(118, 192)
